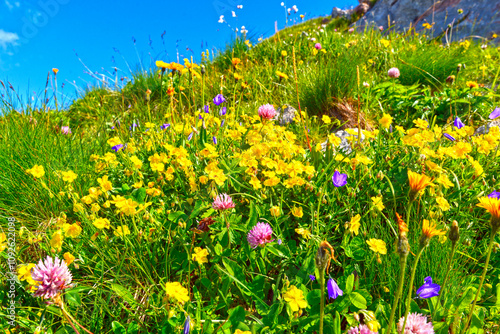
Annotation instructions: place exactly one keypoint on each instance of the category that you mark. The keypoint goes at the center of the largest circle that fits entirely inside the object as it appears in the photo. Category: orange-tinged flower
(55, 70)
(403, 228)
(472, 84)
(161, 64)
(418, 181)
(429, 229)
(170, 91)
(492, 205)
(235, 61)
(281, 75)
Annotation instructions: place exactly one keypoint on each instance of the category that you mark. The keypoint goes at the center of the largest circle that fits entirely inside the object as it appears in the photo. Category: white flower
(289, 10)
(221, 19)
(243, 30)
(294, 7)
(233, 13)
(282, 4)
(239, 6)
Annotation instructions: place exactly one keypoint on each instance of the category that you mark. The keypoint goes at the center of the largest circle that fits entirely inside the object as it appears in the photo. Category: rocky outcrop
(457, 19)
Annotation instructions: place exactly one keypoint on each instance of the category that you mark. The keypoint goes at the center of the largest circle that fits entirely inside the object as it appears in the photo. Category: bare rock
(286, 115)
(361, 9)
(458, 18)
(341, 13)
(484, 129)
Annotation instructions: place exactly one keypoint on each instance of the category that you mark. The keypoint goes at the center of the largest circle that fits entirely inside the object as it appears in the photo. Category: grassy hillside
(126, 186)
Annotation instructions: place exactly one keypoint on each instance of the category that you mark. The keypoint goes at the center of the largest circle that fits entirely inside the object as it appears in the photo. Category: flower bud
(403, 245)
(203, 71)
(454, 235)
(324, 255)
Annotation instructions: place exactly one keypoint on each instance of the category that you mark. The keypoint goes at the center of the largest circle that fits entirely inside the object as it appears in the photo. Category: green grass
(120, 280)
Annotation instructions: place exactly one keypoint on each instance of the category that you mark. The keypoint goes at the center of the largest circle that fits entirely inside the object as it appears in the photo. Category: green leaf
(176, 216)
(237, 315)
(139, 195)
(122, 292)
(357, 300)
(133, 328)
(349, 284)
(252, 216)
(73, 298)
(314, 299)
(118, 328)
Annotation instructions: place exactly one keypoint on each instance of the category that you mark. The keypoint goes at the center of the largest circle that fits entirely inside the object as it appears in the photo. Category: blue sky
(38, 35)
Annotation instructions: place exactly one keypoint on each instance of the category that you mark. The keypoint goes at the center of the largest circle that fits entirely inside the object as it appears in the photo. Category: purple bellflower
(429, 289)
(339, 179)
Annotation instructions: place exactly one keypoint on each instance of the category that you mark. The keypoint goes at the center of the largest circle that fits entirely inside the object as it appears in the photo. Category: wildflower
(239, 6)
(354, 224)
(222, 111)
(450, 79)
(351, 30)
(24, 273)
(495, 113)
(200, 255)
(117, 147)
(450, 137)
(37, 171)
(472, 84)
(377, 202)
(297, 211)
(333, 289)
(429, 289)
(267, 111)
(214, 139)
(65, 130)
(418, 182)
(284, 53)
(393, 72)
(494, 194)
(57, 240)
(176, 291)
(69, 176)
(122, 231)
(52, 276)
(186, 326)
(68, 258)
(386, 121)
(275, 211)
(190, 136)
(295, 298)
(221, 19)
(3, 241)
(415, 324)
(323, 256)
(260, 235)
(306, 234)
(72, 230)
(339, 179)
(458, 123)
(360, 329)
(443, 203)
(55, 70)
(326, 119)
(281, 75)
(492, 205)
(377, 246)
(312, 277)
(429, 230)
(223, 202)
(233, 14)
(317, 46)
(219, 99)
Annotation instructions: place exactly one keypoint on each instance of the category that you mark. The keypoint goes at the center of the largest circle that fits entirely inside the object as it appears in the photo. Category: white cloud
(7, 38)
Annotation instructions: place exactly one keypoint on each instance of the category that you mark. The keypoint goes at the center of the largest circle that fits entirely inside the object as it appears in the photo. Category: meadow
(219, 197)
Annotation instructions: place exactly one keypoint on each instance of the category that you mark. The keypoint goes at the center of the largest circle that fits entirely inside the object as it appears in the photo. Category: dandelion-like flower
(267, 111)
(223, 202)
(418, 182)
(52, 276)
(492, 205)
(393, 72)
(415, 324)
(260, 235)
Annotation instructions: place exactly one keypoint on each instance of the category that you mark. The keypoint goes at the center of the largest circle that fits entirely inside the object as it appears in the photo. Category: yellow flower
(306, 234)
(101, 223)
(418, 181)
(281, 75)
(478, 169)
(378, 203)
(105, 183)
(69, 176)
(326, 119)
(492, 205)
(334, 140)
(429, 229)
(24, 273)
(385, 43)
(37, 171)
(114, 141)
(275, 211)
(472, 84)
(354, 224)
(283, 53)
(377, 245)
(386, 121)
(57, 240)
(68, 258)
(3, 241)
(176, 291)
(443, 203)
(72, 230)
(122, 231)
(239, 331)
(200, 255)
(297, 211)
(295, 298)
(444, 181)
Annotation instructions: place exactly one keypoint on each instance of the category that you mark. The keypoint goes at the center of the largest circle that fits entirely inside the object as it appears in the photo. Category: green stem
(412, 277)
(448, 267)
(322, 303)
(402, 268)
(490, 248)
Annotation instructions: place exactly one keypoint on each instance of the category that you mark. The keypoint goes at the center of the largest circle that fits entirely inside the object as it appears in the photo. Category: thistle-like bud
(324, 255)
(403, 245)
(459, 67)
(450, 79)
(454, 235)
(203, 71)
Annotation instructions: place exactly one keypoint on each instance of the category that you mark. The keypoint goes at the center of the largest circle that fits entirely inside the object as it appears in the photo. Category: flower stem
(448, 267)
(412, 277)
(322, 302)
(402, 268)
(471, 312)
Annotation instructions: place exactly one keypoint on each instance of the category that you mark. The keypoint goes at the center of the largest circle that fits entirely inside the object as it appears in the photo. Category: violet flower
(206, 108)
(458, 123)
(312, 277)
(118, 147)
(429, 289)
(214, 140)
(494, 194)
(495, 113)
(222, 111)
(219, 99)
(190, 136)
(186, 326)
(164, 126)
(339, 179)
(333, 289)
(450, 137)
